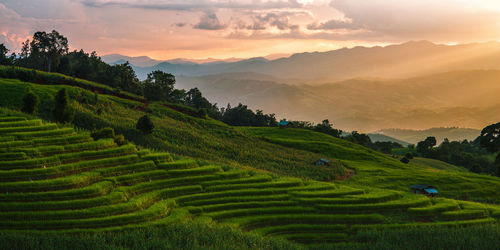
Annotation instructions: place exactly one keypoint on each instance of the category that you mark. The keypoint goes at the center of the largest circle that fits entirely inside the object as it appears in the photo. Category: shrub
(120, 140)
(62, 112)
(30, 101)
(409, 156)
(103, 133)
(202, 113)
(145, 125)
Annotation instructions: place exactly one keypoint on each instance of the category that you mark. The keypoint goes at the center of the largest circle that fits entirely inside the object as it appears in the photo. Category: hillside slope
(175, 132)
(375, 169)
(56, 179)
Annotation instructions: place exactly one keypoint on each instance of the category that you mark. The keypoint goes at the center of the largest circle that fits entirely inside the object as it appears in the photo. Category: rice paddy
(66, 182)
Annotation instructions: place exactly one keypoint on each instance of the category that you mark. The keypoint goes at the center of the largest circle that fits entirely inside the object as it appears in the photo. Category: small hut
(424, 189)
(283, 123)
(322, 162)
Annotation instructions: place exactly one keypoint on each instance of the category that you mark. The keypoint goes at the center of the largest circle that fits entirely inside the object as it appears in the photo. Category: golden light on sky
(166, 29)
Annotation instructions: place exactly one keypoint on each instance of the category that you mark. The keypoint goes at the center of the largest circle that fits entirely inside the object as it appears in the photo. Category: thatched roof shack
(424, 189)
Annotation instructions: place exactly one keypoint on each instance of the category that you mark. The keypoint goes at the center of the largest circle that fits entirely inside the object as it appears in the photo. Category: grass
(375, 169)
(175, 132)
(415, 238)
(64, 182)
(186, 235)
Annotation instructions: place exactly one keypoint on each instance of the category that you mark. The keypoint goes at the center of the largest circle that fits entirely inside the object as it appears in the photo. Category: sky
(198, 29)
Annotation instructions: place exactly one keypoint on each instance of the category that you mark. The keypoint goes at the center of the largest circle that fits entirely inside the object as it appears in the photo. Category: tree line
(49, 51)
(473, 155)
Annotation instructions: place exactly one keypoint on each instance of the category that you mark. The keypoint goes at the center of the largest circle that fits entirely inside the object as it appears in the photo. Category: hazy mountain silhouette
(393, 61)
(365, 89)
(458, 98)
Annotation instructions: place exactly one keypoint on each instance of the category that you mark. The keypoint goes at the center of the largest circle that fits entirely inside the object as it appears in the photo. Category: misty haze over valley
(414, 85)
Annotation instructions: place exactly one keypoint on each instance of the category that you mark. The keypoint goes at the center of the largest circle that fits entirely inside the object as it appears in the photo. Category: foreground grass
(187, 235)
(459, 238)
(200, 235)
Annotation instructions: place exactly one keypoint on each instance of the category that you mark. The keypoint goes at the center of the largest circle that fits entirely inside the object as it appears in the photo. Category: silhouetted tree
(490, 137)
(145, 125)
(158, 86)
(30, 102)
(424, 147)
(62, 112)
(326, 127)
(4, 59)
(409, 156)
(361, 139)
(45, 50)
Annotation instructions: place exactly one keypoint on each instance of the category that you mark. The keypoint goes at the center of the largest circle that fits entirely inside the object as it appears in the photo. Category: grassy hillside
(56, 179)
(379, 170)
(175, 132)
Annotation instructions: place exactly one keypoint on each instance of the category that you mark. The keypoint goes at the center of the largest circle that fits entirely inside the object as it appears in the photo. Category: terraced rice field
(54, 178)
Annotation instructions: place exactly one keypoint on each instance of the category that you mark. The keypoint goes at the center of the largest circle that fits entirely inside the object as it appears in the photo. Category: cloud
(451, 20)
(180, 25)
(334, 24)
(279, 20)
(194, 5)
(209, 21)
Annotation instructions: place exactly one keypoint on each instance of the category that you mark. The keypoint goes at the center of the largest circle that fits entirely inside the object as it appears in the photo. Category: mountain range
(414, 85)
(394, 61)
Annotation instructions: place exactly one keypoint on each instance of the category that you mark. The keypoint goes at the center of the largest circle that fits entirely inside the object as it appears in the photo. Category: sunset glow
(166, 29)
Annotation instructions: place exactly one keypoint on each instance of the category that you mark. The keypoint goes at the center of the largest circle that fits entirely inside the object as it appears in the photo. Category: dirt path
(348, 174)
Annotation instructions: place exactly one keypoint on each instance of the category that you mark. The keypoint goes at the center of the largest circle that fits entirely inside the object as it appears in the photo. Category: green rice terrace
(54, 178)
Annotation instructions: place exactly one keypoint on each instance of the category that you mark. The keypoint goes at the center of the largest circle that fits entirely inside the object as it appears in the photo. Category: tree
(238, 116)
(30, 102)
(145, 125)
(490, 137)
(404, 160)
(49, 46)
(62, 112)
(158, 86)
(326, 127)
(123, 76)
(424, 147)
(409, 156)
(195, 98)
(4, 59)
(361, 139)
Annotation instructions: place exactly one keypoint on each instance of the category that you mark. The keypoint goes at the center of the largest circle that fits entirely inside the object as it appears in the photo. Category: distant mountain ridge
(414, 136)
(394, 61)
(414, 85)
(460, 98)
(145, 61)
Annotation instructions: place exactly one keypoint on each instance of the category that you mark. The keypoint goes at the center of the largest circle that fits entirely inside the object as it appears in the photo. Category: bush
(202, 113)
(62, 112)
(103, 133)
(409, 156)
(30, 101)
(120, 140)
(145, 125)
